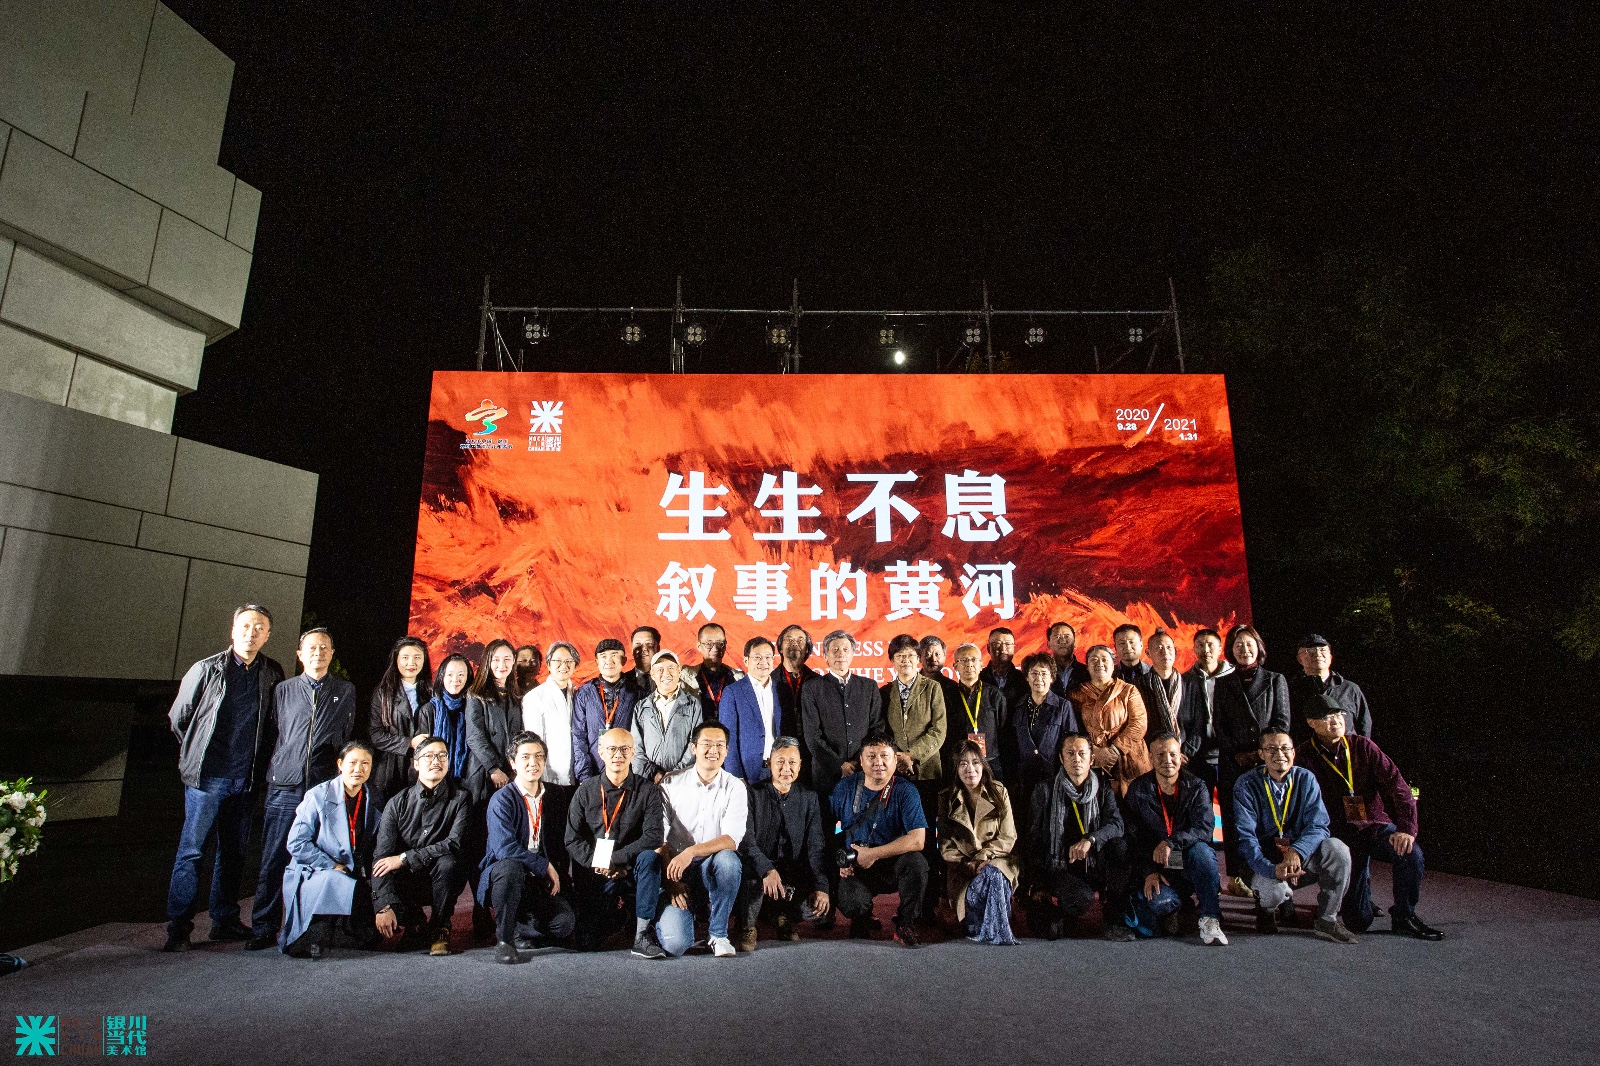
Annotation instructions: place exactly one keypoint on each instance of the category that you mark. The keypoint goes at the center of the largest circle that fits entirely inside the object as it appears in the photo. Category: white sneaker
(1211, 932)
(722, 947)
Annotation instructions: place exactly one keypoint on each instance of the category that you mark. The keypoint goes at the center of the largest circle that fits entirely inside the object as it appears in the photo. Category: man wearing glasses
(1371, 809)
(420, 841)
(613, 831)
(711, 678)
(1283, 836)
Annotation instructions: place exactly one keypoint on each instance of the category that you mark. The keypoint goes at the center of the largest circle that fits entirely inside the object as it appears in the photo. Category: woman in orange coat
(1113, 715)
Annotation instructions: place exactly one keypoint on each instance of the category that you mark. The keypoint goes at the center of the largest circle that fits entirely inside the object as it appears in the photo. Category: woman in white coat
(327, 881)
(547, 711)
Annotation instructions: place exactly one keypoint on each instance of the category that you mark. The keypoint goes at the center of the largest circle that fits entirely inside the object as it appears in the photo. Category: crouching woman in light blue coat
(328, 880)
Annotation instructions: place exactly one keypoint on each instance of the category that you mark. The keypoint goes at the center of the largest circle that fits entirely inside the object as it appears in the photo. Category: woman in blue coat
(330, 859)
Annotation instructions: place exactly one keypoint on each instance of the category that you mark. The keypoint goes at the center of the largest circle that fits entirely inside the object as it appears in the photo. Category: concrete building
(124, 251)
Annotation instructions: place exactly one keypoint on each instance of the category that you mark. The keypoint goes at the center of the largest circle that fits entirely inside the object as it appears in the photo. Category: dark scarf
(1063, 792)
(451, 724)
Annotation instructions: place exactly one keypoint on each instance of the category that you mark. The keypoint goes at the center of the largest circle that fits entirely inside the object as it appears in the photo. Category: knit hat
(609, 644)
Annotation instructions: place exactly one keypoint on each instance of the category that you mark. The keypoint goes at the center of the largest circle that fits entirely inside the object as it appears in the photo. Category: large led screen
(578, 506)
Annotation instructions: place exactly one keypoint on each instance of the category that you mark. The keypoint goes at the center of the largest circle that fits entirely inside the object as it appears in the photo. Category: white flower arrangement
(22, 817)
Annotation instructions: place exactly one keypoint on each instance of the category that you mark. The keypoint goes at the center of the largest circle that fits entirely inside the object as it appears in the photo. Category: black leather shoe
(260, 943)
(316, 952)
(527, 943)
(906, 933)
(1266, 922)
(234, 930)
(176, 942)
(1287, 917)
(1411, 925)
(860, 928)
(506, 953)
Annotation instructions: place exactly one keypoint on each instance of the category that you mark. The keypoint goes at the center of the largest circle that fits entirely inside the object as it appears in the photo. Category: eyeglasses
(434, 756)
(563, 662)
(1280, 749)
(713, 644)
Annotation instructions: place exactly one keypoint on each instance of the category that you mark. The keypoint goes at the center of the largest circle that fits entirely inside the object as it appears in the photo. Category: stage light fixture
(632, 333)
(886, 337)
(900, 357)
(694, 333)
(1135, 335)
(534, 331)
(973, 335)
(1035, 335)
(778, 336)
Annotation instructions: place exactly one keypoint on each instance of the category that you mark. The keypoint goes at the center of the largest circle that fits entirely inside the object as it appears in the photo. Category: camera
(845, 856)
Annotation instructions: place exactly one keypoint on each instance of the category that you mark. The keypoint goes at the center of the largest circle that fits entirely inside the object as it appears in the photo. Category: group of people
(678, 793)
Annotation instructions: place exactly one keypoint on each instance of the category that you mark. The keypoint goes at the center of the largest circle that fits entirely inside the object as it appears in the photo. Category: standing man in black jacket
(1317, 679)
(313, 717)
(1174, 702)
(782, 850)
(1070, 671)
(420, 841)
(218, 717)
(837, 711)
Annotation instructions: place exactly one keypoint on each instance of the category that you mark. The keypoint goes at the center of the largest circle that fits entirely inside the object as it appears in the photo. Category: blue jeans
(712, 881)
(214, 812)
(1199, 875)
(267, 913)
(1372, 842)
(598, 897)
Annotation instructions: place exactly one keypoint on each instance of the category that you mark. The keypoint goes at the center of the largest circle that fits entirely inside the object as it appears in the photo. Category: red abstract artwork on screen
(579, 506)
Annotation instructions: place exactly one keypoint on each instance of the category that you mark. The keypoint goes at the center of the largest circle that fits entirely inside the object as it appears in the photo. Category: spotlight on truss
(900, 357)
(886, 337)
(1035, 335)
(694, 333)
(534, 331)
(632, 333)
(973, 335)
(1135, 335)
(778, 336)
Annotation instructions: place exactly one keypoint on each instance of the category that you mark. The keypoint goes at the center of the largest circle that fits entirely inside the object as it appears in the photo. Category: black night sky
(888, 154)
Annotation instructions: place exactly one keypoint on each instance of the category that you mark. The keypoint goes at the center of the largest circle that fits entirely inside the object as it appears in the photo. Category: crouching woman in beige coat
(977, 840)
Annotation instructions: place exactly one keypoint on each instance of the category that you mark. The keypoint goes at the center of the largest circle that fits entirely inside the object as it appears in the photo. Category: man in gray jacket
(313, 717)
(664, 721)
(218, 718)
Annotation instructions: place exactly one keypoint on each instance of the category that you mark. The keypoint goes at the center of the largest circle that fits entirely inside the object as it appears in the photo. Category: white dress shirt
(695, 812)
(547, 710)
(537, 804)
(764, 701)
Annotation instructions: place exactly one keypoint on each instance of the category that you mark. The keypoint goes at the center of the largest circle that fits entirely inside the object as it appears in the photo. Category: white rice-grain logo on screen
(544, 426)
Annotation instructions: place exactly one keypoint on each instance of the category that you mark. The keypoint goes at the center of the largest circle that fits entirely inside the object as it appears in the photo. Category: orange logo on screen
(489, 413)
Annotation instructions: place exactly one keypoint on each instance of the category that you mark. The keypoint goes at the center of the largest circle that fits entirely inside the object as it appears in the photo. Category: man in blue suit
(752, 713)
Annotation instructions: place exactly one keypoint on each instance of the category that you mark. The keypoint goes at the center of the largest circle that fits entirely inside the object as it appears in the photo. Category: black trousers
(906, 874)
(1107, 871)
(557, 802)
(796, 873)
(523, 905)
(436, 885)
(1228, 772)
(358, 925)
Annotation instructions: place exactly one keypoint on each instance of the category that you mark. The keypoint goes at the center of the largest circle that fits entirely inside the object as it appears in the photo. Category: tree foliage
(1423, 473)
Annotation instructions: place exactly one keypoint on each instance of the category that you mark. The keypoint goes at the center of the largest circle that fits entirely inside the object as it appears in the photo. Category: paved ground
(1514, 982)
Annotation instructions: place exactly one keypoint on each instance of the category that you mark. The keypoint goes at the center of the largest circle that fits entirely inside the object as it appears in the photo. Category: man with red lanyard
(516, 879)
(711, 678)
(1371, 809)
(605, 702)
(1170, 820)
